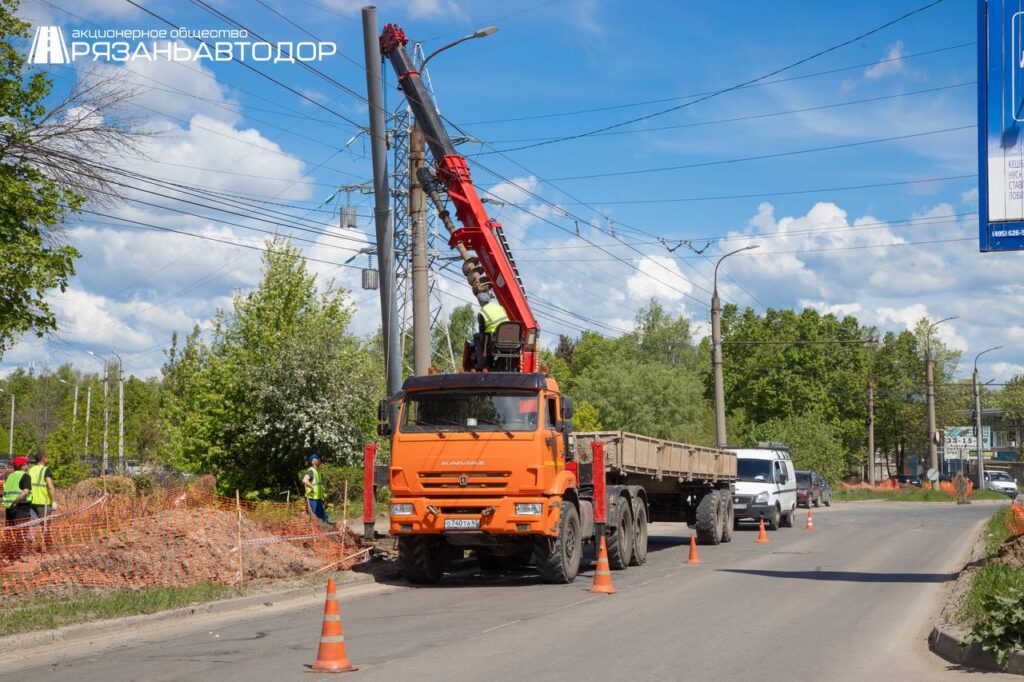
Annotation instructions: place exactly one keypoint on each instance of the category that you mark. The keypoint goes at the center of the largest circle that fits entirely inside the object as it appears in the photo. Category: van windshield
(470, 411)
(754, 470)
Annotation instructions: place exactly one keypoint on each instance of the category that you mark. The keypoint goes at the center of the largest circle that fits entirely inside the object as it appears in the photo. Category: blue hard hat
(313, 456)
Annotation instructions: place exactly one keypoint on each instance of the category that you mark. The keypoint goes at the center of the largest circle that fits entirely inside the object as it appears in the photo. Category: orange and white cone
(761, 535)
(810, 521)
(603, 573)
(694, 557)
(331, 656)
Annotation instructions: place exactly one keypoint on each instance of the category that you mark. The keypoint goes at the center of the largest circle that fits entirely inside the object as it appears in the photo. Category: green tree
(813, 443)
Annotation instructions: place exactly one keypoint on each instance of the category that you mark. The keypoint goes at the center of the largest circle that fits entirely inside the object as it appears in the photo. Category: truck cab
(478, 463)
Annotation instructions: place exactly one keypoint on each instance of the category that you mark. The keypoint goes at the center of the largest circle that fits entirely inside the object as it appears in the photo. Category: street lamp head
(486, 31)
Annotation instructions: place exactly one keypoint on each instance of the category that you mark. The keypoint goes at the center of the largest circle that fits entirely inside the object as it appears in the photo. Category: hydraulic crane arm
(479, 234)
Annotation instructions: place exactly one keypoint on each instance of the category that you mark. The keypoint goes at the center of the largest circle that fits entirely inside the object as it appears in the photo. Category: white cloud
(892, 63)
(659, 277)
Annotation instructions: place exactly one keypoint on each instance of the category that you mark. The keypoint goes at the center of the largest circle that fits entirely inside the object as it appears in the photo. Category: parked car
(907, 479)
(826, 492)
(1001, 482)
(808, 488)
(765, 487)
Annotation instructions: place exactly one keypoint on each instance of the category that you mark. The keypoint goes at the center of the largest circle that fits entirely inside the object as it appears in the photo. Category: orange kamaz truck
(485, 460)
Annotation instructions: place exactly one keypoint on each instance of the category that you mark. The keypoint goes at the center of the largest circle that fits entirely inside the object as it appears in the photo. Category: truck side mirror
(567, 409)
(383, 418)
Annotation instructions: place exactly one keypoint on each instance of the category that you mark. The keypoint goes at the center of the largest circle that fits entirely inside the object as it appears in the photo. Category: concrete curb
(354, 582)
(953, 649)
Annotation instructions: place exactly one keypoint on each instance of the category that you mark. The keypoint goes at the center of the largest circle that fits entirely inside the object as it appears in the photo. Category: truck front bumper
(495, 516)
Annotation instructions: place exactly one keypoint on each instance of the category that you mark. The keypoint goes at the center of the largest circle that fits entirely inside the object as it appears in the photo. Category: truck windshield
(470, 411)
(754, 469)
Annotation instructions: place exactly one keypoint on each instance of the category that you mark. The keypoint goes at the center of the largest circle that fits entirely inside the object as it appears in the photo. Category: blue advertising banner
(1000, 118)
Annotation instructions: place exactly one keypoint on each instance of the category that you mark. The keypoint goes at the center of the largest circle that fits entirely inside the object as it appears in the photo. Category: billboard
(960, 441)
(1000, 121)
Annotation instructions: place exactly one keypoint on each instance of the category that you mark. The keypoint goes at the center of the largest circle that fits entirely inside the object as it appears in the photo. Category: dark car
(907, 479)
(808, 488)
(826, 492)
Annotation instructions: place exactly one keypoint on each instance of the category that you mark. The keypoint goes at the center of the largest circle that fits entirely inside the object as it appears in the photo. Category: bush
(1001, 630)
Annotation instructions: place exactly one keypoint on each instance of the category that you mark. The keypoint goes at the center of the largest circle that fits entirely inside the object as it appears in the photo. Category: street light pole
(929, 378)
(418, 221)
(716, 353)
(871, 430)
(88, 411)
(120, 412)
(977, 419)
(10, 446)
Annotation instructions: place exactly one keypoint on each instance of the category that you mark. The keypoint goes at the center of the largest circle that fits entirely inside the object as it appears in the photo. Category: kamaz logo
(463, 463)
(48, 46)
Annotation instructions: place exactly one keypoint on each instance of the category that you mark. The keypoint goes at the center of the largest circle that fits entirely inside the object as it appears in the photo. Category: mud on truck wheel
(421, 558)
(708, 525)
(558, 559)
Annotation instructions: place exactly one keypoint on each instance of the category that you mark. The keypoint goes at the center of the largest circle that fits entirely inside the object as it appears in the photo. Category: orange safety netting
(1015, 519)
(892, 485)
(169, 538)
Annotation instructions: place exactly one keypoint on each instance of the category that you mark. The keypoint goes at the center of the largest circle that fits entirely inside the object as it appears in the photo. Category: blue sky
(552, 63)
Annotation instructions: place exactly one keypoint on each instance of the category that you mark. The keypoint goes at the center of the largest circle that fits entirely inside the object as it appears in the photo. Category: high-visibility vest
(12, 488)
(40, 492)
(493, 315)
(316, 492)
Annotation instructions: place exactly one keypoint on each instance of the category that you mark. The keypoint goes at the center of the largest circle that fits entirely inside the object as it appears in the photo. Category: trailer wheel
(620, 543)
(709, 524)
(558, 559)
(421, 558)
(729, 520)
(639, 535)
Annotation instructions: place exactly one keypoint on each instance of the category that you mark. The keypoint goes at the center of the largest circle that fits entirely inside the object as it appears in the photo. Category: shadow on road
(848, 576)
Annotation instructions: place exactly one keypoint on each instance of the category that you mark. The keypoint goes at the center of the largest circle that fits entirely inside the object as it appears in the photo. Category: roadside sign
(1000, 121)
(961, 442)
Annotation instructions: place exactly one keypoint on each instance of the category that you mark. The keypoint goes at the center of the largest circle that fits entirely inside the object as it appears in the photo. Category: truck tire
(709, 524)
(558, 559)
(729, 522)
(620, 543)
(421, 558)
(775, 519)
(639, 534)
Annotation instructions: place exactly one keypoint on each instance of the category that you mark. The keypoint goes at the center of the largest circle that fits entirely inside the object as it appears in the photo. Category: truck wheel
(639, 535)
(729, 520)
(774, 519)
(708, 524)
(620, 543)
(558, 559)
(421, 558)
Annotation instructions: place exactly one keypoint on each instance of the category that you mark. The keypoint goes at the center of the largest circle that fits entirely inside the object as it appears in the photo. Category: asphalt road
(853, 600)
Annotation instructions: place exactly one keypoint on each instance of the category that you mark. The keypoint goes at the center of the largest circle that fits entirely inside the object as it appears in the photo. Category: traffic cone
(810, 521)
(761, 535)
(694, 557)
(603, 574)
(331, 656)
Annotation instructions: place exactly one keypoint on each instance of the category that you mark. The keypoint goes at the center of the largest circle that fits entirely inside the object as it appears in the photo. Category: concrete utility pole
(420, 266)
(716, 353)
(10, 446)
(871, 430)
(120, 412)
(978, 428)
(929, 379)
(382, 212)
(88, 411)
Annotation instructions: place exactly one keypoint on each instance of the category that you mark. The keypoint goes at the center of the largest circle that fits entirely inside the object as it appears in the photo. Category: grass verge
(25, 614)
(910, 495)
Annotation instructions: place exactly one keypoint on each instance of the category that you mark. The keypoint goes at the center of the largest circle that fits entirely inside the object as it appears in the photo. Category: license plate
(461, 524)
(739, 506)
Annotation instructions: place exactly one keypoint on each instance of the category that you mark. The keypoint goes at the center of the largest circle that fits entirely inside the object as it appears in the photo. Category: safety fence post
(369, 511)
(238, 511)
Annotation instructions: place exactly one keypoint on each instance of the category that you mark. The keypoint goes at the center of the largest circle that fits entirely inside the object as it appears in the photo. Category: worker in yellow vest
(43, 491)
(492, 314)
(17, 509)
(315, 489)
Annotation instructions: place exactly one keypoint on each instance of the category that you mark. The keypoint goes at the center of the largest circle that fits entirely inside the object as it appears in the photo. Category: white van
(765, 486)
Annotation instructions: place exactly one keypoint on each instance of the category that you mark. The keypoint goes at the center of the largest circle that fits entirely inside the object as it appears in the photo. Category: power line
(731, 88)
